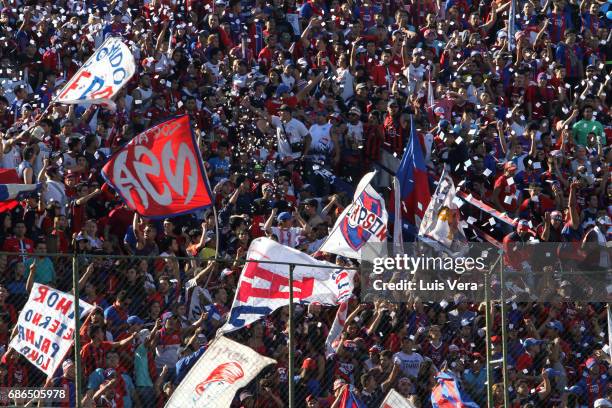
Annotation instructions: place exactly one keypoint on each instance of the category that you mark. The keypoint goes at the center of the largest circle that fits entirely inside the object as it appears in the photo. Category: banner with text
(107, 71)
(45, 327)
(160, 172)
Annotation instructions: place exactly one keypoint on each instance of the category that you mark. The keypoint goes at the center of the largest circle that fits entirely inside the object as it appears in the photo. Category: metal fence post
(291, 340)
(77, 333)
(504, 331)
(488, 320)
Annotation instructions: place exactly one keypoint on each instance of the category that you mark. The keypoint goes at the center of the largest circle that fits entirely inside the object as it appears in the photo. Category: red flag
(160, 172)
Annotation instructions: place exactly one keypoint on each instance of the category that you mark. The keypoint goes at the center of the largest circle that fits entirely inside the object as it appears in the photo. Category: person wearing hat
(285, 232)
(307, 382)
(526, 364)
(110, 381)
(540, 98)
(66, 380)
(593, 384)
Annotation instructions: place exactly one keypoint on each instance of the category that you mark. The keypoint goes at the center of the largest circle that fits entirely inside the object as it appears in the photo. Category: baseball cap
(66, 364)
(311, 202)
(522, 225)
(605, 220)
(531, 342)
(309, 364)
(552, 372)
(562, 285)
(134, 320)
(555, 324)
(375, 349)
(602, 402)
(361, 85)
(281, 89)
(355, 111)
(439, 111)
(284, 107)
(284, 216)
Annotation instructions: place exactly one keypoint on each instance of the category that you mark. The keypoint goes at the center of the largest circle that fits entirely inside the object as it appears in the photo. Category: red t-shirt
(94, 357)
(506, 190)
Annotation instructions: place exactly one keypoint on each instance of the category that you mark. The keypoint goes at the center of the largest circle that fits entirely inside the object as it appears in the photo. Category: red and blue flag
(413, 181)
(447, 394)
(349, 400)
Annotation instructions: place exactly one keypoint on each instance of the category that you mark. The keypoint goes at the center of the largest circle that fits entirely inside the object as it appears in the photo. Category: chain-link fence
(155, 316)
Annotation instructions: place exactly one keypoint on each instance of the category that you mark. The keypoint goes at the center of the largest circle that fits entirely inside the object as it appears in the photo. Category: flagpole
(77, 333)
(291, 340)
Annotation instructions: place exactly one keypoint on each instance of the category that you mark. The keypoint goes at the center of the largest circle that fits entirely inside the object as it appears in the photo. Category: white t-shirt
(409, 363)
(287, 236)
(288, 80)
(345, 80)
(293, 131)
(321, 144)
(11, 159)
(355, 133)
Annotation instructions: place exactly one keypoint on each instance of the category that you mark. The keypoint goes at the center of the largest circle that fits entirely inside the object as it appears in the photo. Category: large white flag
(45, 328)
(225, 367)
(101, 77)
(395, 400)
(264, 287)
(441, 220)
(364, 221)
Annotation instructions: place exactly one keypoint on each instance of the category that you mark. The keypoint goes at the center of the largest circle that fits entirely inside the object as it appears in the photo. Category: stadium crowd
(291, 104)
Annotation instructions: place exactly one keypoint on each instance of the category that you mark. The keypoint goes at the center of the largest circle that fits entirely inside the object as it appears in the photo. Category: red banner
(160, 172)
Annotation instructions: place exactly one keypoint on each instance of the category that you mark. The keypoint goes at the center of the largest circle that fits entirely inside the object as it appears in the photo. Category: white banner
(264, 287)
(225, 367)
(362, 222)
(45, 327)
(395, 400)
(101, 77)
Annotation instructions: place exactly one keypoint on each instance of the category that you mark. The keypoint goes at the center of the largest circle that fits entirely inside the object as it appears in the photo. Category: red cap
(309, 364)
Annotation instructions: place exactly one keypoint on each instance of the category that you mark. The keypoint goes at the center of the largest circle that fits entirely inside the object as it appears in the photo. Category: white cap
(602, 402)
(439, 110)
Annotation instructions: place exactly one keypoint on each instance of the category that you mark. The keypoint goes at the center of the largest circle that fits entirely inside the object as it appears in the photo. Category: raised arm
(268, 224)
(309, 87)
(573, 207)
